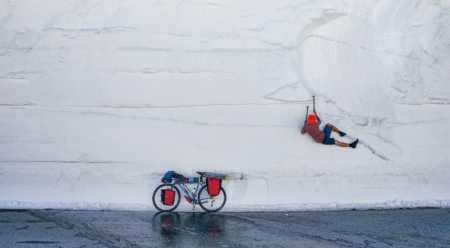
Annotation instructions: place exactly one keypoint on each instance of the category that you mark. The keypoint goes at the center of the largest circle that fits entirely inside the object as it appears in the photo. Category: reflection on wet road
(375, 228)
(205, 229)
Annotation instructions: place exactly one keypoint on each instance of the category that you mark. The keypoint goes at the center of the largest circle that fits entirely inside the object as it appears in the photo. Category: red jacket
(314, 131)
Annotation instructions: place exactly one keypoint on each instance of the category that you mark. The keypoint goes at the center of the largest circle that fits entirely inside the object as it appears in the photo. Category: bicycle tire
(156, 199)
(208, 205)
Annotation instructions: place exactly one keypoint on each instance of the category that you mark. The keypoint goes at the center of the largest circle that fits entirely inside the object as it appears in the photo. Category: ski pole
(314, 103)
(306, 112)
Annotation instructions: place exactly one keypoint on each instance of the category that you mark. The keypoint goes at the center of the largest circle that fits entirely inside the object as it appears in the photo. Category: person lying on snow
(311, 127)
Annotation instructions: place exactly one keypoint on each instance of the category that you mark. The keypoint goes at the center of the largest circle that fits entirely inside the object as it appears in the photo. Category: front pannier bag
(167, 197)
(213, 186)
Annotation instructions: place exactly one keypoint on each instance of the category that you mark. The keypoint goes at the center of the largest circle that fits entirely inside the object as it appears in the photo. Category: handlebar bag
(168, 197)
(213, 186)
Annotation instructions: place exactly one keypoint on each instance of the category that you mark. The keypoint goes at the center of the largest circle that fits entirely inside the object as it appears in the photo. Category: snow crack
(67, 162)
(177, 71)
(373, 151)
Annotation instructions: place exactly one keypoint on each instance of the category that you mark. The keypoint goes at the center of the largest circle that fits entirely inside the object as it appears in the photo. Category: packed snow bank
(98, 99)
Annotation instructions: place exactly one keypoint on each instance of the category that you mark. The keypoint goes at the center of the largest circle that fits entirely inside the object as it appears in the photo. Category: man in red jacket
(311, 127)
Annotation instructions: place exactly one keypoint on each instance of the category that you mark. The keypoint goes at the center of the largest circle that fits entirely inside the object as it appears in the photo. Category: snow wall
(99, 98)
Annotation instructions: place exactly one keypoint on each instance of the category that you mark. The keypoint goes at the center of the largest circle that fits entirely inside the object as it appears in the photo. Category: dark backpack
(172, 175)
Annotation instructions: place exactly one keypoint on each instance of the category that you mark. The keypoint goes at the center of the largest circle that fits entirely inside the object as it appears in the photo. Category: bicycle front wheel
(157, 201)
(212, 203)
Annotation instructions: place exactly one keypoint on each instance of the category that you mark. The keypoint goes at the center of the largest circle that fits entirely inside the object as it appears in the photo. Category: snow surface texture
(99, 98)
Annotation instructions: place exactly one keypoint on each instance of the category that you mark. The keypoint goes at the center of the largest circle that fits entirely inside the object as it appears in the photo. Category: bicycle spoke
(214, 203)
(157, 202)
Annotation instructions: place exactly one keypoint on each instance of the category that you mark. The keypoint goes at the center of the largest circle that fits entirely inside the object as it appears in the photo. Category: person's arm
(317, 117)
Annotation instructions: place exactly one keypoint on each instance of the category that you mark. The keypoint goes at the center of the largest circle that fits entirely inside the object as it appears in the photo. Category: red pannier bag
(213, 186)
(168, 197)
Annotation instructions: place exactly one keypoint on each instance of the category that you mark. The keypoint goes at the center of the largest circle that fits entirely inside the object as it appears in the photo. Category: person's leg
(338, 143)
(352, 145)
(335, 129)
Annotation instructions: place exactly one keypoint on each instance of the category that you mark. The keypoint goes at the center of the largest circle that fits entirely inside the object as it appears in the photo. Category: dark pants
(327, 140)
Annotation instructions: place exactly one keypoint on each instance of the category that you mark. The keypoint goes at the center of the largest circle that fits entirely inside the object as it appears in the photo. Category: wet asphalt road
(371, 228)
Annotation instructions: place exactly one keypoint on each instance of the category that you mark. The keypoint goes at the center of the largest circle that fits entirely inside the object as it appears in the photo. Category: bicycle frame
(191, 195)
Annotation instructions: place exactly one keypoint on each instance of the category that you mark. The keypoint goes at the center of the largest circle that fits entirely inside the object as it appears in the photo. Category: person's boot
(342, 134)
(353, 145)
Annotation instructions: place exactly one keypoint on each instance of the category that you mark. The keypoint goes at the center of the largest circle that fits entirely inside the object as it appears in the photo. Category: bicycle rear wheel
(157, 202)
(212, 203)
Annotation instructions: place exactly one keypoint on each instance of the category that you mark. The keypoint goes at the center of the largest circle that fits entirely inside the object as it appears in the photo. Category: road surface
(370, 228)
